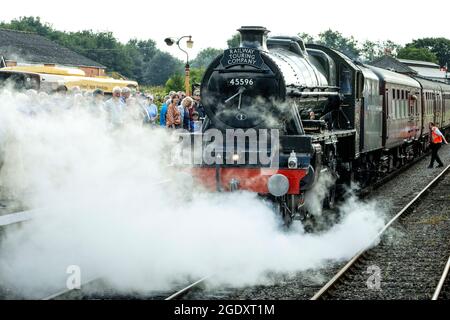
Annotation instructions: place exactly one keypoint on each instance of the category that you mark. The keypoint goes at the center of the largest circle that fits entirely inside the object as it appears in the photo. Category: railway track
(98, 289)
(409, 269)
(379, 183)
(75, 293)
(16, 217)
(181, 293)
(439, 293)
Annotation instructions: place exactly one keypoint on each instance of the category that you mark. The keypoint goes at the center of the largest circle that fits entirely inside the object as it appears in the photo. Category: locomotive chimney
(254, 37)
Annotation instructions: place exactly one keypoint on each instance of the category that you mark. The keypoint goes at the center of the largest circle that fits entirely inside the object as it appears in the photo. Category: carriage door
(417, 111)
(436, 112)
(440, 108)
(386, 112)
(411, 113)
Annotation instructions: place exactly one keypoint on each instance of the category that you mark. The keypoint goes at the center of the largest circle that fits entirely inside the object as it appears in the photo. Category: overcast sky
(211, 23)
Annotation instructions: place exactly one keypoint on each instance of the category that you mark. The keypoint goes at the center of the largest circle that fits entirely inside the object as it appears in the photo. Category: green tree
(420, 54)
(205, 57)
(147, 48)
(175, 83)
(306, 37)
(196, 75)
(389, 47)
(439, 46)
(336, 40)
(133, 60)
(160, 68)
(30, 24)
(372, 50)
(234, 41)
(369, 50)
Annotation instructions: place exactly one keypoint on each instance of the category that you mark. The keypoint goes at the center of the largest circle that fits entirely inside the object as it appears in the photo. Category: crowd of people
(177, 111)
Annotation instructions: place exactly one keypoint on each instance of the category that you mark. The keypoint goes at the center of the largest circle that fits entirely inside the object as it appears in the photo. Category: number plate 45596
(241, 82)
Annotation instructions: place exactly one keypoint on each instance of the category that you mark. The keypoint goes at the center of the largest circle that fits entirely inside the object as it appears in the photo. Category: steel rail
(350, 263)
(441, 281)
(16, 217)
(66, 291)
(186, 289)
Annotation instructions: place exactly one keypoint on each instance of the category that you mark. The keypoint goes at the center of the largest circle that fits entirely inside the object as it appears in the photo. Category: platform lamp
(189, 45)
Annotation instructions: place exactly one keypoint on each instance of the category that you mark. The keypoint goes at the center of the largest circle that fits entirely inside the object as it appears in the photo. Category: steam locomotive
(332, 114)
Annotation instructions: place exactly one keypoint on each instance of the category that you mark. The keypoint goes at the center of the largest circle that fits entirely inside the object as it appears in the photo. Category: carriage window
(394, 107)
(403, 107)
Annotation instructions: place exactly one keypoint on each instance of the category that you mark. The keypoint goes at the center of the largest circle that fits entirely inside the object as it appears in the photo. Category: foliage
(421, 54)
(439, 46)
(175, 83)
(196, 75)
(205, 57)
(234, 41)
(306, 37)
(366, 51)
(372, 50)
(134, 60)
(160, 68)
(336, 40)
(30, 24)
(141, 60)
(158, 92)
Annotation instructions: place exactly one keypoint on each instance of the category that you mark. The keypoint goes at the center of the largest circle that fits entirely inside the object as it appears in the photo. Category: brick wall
(93, 72)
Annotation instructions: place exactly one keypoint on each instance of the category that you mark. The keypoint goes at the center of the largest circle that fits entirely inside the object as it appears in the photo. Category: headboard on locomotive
(243, 87)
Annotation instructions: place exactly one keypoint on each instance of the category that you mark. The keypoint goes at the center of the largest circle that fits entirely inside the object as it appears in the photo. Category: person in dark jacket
(162, 115)
(186, 103)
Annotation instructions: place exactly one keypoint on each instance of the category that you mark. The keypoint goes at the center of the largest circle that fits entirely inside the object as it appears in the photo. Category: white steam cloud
(104, 208)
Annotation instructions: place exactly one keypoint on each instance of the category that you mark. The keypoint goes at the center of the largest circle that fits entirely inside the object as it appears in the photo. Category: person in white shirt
(114, 107)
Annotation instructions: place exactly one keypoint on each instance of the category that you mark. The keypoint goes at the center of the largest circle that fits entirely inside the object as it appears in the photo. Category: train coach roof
(432, 85)
(394, 77)
(367, 72)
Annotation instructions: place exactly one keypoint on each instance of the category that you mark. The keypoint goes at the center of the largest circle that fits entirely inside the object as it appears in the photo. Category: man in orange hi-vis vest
(436, 138)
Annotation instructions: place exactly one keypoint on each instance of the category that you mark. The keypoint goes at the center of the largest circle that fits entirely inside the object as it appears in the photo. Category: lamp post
(189, 44)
